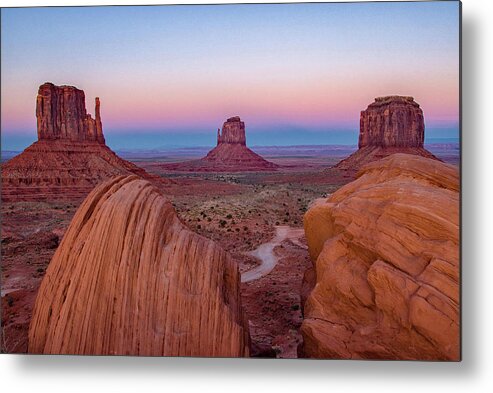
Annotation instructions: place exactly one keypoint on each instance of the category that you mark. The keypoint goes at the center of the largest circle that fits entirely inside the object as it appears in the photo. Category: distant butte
(230, 155)
(391, 124)
(61, 115)
(70, 156)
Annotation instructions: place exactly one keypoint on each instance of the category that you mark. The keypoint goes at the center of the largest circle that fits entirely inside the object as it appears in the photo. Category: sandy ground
(266, 255)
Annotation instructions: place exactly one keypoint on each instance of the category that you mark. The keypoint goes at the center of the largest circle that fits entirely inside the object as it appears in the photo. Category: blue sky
(178, 71)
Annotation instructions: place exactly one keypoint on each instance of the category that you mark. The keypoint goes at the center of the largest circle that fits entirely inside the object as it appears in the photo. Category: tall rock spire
(99, 124)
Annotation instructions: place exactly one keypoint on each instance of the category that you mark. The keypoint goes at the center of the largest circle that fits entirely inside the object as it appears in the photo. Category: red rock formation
(385, 249)
(130, 279)
(61, 115)
(392, 121)
(70, 156)
(392, 124)
(230, 154)
(233, 132)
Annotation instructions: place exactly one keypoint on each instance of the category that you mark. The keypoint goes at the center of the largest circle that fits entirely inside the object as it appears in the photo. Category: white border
(88, 374)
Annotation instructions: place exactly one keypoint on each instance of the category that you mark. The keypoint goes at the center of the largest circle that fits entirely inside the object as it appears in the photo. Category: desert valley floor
(241, 211)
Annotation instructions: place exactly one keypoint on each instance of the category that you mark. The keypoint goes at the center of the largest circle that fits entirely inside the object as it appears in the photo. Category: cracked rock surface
(385, 252)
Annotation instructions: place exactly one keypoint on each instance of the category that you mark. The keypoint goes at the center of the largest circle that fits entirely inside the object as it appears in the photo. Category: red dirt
(237, 210)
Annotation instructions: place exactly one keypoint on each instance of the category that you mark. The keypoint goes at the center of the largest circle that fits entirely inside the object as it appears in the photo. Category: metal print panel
(258, 180)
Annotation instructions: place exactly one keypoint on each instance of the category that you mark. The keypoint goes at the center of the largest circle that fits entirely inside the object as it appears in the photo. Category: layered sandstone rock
(70, 156)
(61, 115)
(385, 249)
(233, 132)
(392, 124)
(392, 121)
(130, 279)
(230, 155)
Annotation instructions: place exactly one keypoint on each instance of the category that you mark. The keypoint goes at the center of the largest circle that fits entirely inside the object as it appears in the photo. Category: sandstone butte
(385, 248)
(70, 156)
(391, 124)
(130, 279)
(230, 154)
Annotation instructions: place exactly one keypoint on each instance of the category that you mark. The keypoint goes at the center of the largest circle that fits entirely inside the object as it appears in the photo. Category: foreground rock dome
(385, 249)
(130, 279)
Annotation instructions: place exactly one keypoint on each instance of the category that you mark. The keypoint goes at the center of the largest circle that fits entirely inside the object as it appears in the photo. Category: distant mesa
(70, 156)
(130, 279)
(391, 124)
(230, 155)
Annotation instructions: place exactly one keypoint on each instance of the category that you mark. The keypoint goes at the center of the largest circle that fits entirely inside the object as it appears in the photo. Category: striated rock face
(70, 156)
(230, 155)
(392, 121)
(233, 132)
(61, 114)
(385, 249)
(130, 279)
(392, 124)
